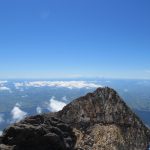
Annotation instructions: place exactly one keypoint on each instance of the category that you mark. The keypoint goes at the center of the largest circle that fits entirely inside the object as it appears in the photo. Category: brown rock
(102, 120)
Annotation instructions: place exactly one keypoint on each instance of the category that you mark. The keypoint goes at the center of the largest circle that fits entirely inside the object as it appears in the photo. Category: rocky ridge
(97, 121)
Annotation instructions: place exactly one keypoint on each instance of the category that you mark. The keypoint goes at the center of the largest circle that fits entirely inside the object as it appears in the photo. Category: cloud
(55, 105)
(17, 114)
(38, 110)
(19, 84)
(3, 82)
(1, 132)
(65, 84)
(18, 105)
(2, 118)
(3, 88)
(64, 98)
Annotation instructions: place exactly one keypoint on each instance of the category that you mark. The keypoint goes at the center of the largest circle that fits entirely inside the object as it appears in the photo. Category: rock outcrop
(102, 120)
(41, 132)
(97, 121)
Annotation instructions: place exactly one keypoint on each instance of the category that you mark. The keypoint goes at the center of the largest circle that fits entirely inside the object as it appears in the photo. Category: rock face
(97, 121)
(39, 132)
(103, 121)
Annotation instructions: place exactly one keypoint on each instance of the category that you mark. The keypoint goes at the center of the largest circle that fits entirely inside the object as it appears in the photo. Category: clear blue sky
(74, 38)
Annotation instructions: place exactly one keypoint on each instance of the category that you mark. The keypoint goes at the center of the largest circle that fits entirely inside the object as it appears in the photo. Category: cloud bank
(65, 84)
(17, 114)
(55, 105)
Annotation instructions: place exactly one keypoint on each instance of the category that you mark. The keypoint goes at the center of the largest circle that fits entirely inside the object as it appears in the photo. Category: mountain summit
(97, 121)
(103, 121)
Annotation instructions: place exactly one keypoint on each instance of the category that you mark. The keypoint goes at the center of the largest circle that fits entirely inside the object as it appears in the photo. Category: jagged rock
(97, 121)
(102, 120)
(41, 133)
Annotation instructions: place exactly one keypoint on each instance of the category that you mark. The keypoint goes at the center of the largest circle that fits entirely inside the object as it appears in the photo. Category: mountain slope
(97, 121)
(103, 121)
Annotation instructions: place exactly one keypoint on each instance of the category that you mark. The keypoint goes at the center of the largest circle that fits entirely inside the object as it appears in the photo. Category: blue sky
(74, 38)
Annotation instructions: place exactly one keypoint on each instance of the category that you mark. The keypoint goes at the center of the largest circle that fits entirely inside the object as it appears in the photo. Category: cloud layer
(66, 84)
(17, 114)
(55, 105)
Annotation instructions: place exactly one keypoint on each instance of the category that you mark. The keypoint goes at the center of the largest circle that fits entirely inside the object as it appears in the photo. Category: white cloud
(64, 98)
(55, 105)
(19, 84)
(3, 82)
(17, 114)
(38, 110)
(1, 132)
(18, 105)
(66, 84)
(1, 118)
(3, 88)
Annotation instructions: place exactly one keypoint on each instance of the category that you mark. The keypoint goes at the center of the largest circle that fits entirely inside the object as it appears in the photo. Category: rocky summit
(97, 121)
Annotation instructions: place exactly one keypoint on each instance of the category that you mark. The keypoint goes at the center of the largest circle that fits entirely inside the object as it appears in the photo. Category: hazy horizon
(70, 78)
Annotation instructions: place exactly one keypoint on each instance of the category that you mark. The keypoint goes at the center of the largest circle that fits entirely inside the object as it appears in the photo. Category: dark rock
(41, 133)
(1, 139)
